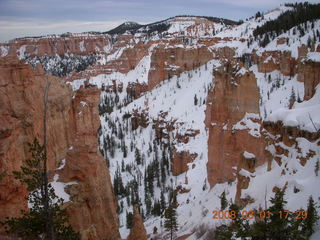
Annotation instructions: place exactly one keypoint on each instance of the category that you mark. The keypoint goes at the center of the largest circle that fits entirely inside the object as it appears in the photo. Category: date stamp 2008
(230, 214)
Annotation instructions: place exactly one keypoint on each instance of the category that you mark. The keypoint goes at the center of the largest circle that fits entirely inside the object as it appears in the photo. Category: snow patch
(305, 115)
(4, 50)
(247, 123)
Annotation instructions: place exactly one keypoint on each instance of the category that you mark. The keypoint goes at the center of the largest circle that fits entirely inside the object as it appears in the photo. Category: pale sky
(19, 18)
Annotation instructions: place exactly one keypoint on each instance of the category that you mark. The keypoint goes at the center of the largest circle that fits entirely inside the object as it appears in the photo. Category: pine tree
(138, 156)
(259, 229)
(311, 219)
(45, 209)
(129, 219)
(223, 201)
(292, 97)
(170, 222)
(223, 232)
(195, 100)
(279, 223)
(156, 208)
(317, 168)
(162, 201)
(119, 189)
(155, 230)
(295, 229)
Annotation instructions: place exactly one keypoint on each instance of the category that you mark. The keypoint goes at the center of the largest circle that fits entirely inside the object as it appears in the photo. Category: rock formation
(71, 135)
(138, 231)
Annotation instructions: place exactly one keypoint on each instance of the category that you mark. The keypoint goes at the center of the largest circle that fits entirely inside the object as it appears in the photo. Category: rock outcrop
(227, 105)
(138, 231)
(173, 60)
(72, 126)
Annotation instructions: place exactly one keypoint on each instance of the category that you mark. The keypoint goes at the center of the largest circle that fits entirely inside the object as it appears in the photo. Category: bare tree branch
(317, 130)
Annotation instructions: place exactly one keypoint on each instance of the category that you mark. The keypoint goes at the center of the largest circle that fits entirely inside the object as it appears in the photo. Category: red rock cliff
(72, 135)
(227, 105)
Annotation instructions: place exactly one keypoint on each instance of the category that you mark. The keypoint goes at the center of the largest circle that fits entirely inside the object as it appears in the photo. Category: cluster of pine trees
(277, 224)
(149, 171)
(61, 65)
(302, 13)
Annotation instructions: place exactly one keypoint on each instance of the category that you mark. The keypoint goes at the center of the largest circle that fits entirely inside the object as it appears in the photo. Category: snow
(248, 155)
(305, 115)
(172, 97)
(4, 51)
(63, 163)
(59, 187)
(117, 54)
(76, 84)
(276, 93)
(83, 104)
(179, 26)
(246, 29)
(107, 48)
(245, 173)
(82, 47)
(139, 74)
(313, 56)
(294, 42)
(21, 52)
(248, 123)
(242, 72)
(291, 173)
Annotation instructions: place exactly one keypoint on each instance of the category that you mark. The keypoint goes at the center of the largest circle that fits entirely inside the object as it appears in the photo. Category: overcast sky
(20, 18)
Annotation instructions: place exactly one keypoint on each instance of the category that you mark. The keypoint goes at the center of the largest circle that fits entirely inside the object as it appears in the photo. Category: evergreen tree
(155, 230)
(119, 189)
(223, 233)
(311, 218)
(44, 219)
(279, 222)
(170, 222)
(259, 229)
(129, 219)
(195, 100)
(223, 201)
(239, 225)
(292, 97)
(317, 168)
(295, 229)
(162, 201)
(138, 156)
(156, 208)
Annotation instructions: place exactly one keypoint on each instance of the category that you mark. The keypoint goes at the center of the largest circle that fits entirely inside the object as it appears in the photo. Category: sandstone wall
(72, 135)
(227, 104)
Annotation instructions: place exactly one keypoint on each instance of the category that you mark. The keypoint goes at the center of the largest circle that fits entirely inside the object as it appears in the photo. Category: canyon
(195, 109)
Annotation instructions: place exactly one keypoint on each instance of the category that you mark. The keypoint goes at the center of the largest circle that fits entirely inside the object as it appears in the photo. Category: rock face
(309, 73)
(71, 134)
(138, 231)
(76, 44)
(169, 61)
(93, 205)
(226, 106)
(180, 161)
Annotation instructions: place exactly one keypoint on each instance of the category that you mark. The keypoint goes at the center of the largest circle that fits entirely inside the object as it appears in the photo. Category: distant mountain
(163, 25)
(126, 26)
